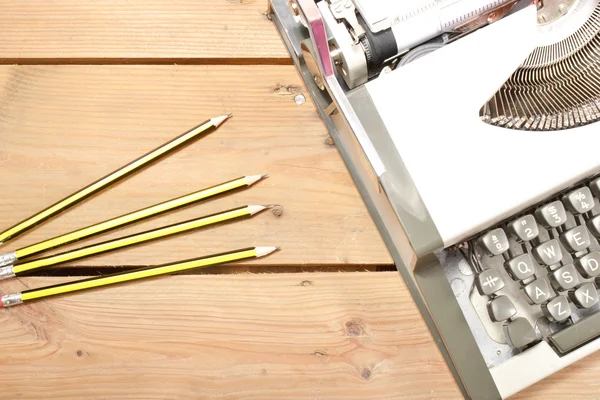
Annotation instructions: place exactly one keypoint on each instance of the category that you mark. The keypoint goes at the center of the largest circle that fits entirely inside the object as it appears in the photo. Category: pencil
(143, 273)
(127, 219)
(123, 172)
(131, 240)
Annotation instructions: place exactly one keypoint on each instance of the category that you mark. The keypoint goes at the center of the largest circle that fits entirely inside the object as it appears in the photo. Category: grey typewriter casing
(354, 120)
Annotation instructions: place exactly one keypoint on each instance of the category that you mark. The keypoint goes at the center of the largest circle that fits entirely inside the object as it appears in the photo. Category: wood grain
(274, 336)
(313, 336)
(102, 31)
(62, 127)
(279, 336)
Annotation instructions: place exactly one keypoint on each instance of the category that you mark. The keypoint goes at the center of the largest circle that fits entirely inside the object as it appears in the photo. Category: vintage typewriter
(469, 127)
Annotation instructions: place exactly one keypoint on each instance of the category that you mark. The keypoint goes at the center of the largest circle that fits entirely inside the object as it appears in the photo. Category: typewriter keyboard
(536, 275)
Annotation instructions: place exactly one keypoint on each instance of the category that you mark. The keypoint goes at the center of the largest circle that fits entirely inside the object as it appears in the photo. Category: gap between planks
(147, 61)
(71, 270)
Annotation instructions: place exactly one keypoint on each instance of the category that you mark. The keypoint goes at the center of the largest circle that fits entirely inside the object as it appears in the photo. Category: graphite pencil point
(256, 209)
(252, 179)
(219, 120)
(265, 251)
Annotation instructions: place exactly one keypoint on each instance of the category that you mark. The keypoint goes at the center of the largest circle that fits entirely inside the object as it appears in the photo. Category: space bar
(576, 335)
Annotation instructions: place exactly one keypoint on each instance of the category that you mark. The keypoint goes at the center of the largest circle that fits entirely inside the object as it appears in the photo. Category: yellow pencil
(131, 240)
(123, 172)
(127, 219)
(143, 273)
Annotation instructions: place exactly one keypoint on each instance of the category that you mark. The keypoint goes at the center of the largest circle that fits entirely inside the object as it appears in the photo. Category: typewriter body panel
(423, 100)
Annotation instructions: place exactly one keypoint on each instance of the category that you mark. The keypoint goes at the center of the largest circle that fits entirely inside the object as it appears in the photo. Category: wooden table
(88, 86)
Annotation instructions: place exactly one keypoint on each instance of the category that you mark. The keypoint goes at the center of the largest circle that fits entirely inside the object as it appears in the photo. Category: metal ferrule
(8, 258)
(11, 299)
(6, 272)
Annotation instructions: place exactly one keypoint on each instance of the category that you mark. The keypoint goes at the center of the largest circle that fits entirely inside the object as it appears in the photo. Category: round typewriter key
(524, 228)
(589, 265)
(558, 309)
(552, 215)
(495, 242)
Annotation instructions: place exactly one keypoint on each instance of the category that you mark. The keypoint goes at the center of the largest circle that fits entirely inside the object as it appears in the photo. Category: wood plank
(62, 127)
(280, 336)
(139, 31)
(273, 336)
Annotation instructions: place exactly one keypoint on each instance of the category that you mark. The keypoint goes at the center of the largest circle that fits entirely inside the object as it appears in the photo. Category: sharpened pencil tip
(219, 120)
(256, 209)
(252, 179)
(265, 251)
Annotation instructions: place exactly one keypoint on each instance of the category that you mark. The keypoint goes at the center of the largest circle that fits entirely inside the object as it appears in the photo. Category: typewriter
(469, 128)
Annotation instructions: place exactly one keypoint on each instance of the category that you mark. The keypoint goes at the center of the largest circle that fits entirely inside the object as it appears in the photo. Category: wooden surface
(66, 126)
(233, 332)
(149, 31)
(263, 337)
(245, 336)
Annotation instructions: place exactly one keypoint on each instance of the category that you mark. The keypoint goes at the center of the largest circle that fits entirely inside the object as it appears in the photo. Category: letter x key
(585, 296)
